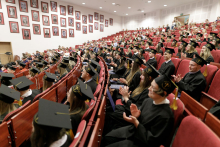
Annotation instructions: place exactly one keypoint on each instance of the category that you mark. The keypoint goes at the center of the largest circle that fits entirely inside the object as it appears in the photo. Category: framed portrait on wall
(12, 12)
(62, 22)
(96, 27)
(71, 32)
(62, 10)
(44, 7)
(111, 21)
(101, 18)
(1, 19)
(84, 19)
(26, 34)
(70, 10)
(0, 5)
(46, 20)
(25, 20)
(10, 1)
(90, 18)
(96, 16)
(84, 29)
(36, 29)
(13, 27)
(90, 28)
(71, 21)
(53, 6)
(78, 26)
(78, 15)
(55, 30)
(54, 18)
(101, 28)
(63, 33)
(23, 6)
(46, 32)
(35, 15)
(34, 3)
(106, 23)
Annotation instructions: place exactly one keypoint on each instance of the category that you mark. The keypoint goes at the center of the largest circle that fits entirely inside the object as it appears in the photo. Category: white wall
(38, 42)
(198, 11)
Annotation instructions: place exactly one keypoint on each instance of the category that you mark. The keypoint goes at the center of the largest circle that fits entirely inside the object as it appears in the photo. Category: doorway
(5, 47)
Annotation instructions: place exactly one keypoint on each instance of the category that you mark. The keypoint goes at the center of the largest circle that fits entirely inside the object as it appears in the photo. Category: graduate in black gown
(129, 54)
(120, 70)
(22, 85)
(116, 63)
(62, 71)
(190, 50)
(136, 52)
(194, 82)
(66, 62)
(151, 124)
(206, 52)
(167, 68)
(182, 48)
(152, 61)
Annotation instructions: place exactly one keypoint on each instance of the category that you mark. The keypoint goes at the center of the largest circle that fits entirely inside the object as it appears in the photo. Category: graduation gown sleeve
(135, 81)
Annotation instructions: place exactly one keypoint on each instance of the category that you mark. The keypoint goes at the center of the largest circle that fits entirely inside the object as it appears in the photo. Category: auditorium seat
(216, 64)
(51, 95)
(33, 86)
(69, 82)
(158, 57)
(183, 68)
(40, 80)
(213, 123)
(216, 55)
(26, 72)
(160, 63)
(89, 111)
(176, 62)
(61, 91)
(20, 74)
(5, 138)
(194, 133)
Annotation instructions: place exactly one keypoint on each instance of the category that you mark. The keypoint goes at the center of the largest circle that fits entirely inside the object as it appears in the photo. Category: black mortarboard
(22, 64)
(184, 43)
(94, 63)
(123, 58)
(90, 69)
(82, 90)
(21, 83)
(120, 53)
(39, 64)
(162, 40)
(193, 43)
(213, 34)
(8, 95)
(153, 51)
(109, 50)
(174, 40)
(210, 46)
(151, 71)
(72, 58)
(199, 60)
(169, 37)
(138, 60)
(53, 114)
(160, 44)
(165, 83)
(40, 57)
(199, 34)
(217, 39)
(7, 76)
(187, 34)
(173, 35)
(12, 68)
(34, 70)
(44, 62)
(65, 60)
(169, 50)
(50, 77)
(62, 65)
(129, 60)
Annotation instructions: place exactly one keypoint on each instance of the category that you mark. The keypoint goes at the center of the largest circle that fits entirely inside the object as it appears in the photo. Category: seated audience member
(22, 67)
(152, 61)
(194, 82)
(7, 97)
(167, 68)
(62, 70)
(121, 69)
(11, 69)
(45, 63)
(158, 48)
(190, 50)
(174, 43)
(216, 42)
(5, 78)
(66, 62)
(72, 62)
(22, 85)
(198, 37)
(150, 125)
(50, 124)
(129, 54)
(53, 61)
(39, 66)
(206, 52)
(24, 60)
(48, 80)
(33, 72)
(136, 52)
(182, 48)
(116, 63)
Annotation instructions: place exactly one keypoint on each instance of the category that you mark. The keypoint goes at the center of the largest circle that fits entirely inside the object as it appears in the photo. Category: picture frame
(101, 18)
(36, 29)
(111, 21)
(2, 22)
(45, 20)
(23, 6)
(96, 16)
(10, 1)
(62, 10)
(0, 4)
(101, 28)
(25, 20)
(84, 19)
(26, 33)
(54, 18)
(14, 28)
(90, 28)
(34, 3)
(106, 23)
(90, 18)
(78, 15)
(70, 10)
(53, 6)
(46, 32)
(35, 15)
(71, 21)
(44, 7)
(78, 26)
(55, 30)
(63, 33)
(12, 11)
(71, 32)
(62, 22)
(96, 26)
(84, 28)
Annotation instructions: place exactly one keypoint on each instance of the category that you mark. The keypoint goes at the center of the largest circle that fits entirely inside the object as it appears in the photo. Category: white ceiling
(122, 10)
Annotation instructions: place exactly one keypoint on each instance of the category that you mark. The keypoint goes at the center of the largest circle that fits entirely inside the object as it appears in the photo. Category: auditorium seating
(5, 138)
(213, 123)
(183, 68)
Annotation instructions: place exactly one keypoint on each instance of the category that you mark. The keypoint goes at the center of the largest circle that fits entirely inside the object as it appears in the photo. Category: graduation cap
(34, 70)
(169, 50)
(12, 68)
(13, 63)
(94, 64)
(91, 70)
(138, 60)
(53, 114)
(165, 83)
(120, 53)
(7, 76)
(153, 51)
(210, 46)
(123, 58)
(213, 34)
(199, 60)
(65, 60)
(184, 43)
(62, 65)
(22, 64)
(39, 64)
(174, 40)
(193, 43)
(50, 77)
(217, 39)
(199, 34)
(162, 40)
(8, 95)
(21, 83)
(173, 35)
(82, 91)
(44, 62)
(169, 37)
(151, 71)
(109, 50)
(160, 44)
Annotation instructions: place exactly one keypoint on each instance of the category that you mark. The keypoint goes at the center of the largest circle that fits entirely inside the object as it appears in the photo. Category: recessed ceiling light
(129, 7)
(142, 11)
(100, 7)
(149, 1)
(114, 11)
(83, 3)
(164, 5)
(126, 14)
(113, 3)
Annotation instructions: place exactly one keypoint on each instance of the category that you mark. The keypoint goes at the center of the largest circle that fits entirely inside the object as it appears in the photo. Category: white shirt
(168, 61)
(28, 93)
(152, 58)
(165, 101)
(59, 142)
(88, 80)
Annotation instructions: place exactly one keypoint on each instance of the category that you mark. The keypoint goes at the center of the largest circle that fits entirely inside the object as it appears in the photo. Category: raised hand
(135, 111)
(131, 119)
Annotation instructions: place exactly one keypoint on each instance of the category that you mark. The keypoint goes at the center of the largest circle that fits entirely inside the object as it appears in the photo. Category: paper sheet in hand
(111, 100)
(112, 81)
(84, 63)
(111, 72)
(114, 86)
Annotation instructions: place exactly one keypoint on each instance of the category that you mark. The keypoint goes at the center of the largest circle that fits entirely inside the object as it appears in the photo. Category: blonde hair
(46, 84)
(32, 73)
(72, 64)
(40, 68)
(206, 53)
(62, 71)
(135, 68)
(191, 50)
(6, 108)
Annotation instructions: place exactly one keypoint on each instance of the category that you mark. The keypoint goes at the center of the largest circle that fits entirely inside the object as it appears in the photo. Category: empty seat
(183, 67)
(160, 63)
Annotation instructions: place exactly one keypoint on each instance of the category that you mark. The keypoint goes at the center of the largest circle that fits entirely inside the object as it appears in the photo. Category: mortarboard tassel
(97, 80)
(128, 65)
(174, 105)
(205, 73)
(20, 103)
(155, 57)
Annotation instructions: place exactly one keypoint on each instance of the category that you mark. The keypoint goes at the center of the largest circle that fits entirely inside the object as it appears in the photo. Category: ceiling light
(83, 3)
(149, 1)
(142, 11)
(100, 7)
(114, 11)
(164, 5)
(113, 3)
(129, 7)
(126, 14)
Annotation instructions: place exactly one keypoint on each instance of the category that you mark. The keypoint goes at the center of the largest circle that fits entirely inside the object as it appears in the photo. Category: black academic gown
(118, 73)
(35, 92)
(167, 68)
(152, 62)
(148, 50)
(210, 59)
(129, 55)
(193, 84)
(92, 84)
(135, 81)
(127, 72)
(190, 55)
(134, 56)
(118, 63)
(155, 123)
